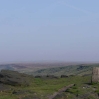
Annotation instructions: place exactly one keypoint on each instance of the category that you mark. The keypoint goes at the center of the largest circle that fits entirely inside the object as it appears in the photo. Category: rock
(38, 76)
(95, 75)
(51, 76)
(64, 76)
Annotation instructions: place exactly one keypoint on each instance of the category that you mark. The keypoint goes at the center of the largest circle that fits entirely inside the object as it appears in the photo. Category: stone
(64, 76)
(95, 75)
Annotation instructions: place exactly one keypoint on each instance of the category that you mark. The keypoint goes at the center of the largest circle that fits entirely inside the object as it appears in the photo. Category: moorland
(72, 81)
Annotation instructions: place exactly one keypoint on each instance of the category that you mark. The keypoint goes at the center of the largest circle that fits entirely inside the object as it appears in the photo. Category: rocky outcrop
(13, 78)
(64, 76)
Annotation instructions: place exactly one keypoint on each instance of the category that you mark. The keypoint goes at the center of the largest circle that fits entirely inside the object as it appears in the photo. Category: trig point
(95, 75)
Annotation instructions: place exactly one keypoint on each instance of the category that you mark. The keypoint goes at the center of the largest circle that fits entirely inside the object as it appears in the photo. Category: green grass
(43, 87)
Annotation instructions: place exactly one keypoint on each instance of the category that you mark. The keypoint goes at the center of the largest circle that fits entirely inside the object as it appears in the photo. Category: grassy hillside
(85, 69)
(46, 87)
(57, 69)
(31, 67)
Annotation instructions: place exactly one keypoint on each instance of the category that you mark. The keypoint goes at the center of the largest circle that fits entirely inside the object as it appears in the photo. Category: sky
(49, 30)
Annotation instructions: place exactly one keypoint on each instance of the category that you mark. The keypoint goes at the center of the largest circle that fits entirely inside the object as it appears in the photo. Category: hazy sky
(49, 30)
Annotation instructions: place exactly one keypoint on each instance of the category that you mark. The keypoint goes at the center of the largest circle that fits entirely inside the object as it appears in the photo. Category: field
(47, 83)
(43, 88)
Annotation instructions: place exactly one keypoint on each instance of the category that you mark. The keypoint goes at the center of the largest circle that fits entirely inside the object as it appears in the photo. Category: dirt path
(60, 91)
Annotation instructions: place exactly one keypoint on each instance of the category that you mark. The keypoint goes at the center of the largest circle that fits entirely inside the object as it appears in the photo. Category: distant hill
(83, 69)
(51, 68)
(31, 67)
